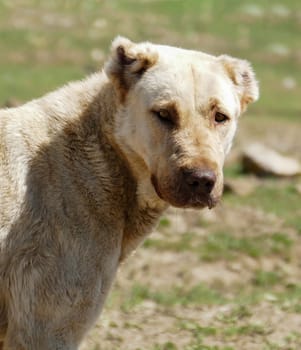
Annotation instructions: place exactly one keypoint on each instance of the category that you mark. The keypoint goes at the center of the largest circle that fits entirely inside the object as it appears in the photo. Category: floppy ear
(128, 62)
(243, 77)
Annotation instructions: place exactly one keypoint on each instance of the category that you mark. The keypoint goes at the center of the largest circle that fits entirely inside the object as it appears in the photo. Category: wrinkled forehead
(190, 79)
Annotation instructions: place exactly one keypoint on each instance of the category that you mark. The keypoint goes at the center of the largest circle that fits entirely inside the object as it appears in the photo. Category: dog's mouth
(178, 197)
(202, 202)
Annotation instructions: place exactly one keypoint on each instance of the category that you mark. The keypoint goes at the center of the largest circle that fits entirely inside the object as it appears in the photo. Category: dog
(87, 170)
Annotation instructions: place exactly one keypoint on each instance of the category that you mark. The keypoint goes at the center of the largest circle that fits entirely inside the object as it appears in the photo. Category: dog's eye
(220, 118)
(164, 116)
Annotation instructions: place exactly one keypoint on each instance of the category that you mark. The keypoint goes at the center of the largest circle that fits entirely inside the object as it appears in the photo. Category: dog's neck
(143, 206)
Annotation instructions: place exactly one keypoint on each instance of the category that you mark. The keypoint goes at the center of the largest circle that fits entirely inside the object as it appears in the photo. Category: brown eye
(164, 116)
(220, 118)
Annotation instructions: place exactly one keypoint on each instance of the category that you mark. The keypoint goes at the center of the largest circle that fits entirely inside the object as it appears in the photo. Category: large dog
(86, 171)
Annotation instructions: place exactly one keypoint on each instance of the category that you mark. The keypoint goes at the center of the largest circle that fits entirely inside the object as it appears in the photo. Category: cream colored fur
(86, 171)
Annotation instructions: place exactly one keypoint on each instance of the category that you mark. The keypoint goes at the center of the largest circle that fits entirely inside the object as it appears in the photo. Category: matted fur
(86, 171)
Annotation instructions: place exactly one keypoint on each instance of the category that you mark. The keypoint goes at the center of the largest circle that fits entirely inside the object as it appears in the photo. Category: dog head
(178, 115)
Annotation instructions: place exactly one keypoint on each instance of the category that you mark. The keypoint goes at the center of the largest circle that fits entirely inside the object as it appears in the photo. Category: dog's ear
(243, 77)
(128, 62)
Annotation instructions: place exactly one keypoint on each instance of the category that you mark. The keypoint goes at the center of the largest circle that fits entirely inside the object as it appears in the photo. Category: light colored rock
(298, 188)
(97, 55)
(261, 160)
(12, 102)
(100, 23)
(242, 186)
(178, 223)
(252, 10)
(270, 297)
(280, 11)
(279, 49)
(289, 83)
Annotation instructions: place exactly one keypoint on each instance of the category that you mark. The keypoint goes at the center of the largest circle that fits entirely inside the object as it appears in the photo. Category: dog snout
(199, 181)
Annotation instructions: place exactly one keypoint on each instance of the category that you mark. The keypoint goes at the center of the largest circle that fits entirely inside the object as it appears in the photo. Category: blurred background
(223, 279)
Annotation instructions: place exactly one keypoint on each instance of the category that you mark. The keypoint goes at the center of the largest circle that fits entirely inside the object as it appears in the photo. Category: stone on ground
(261, 160)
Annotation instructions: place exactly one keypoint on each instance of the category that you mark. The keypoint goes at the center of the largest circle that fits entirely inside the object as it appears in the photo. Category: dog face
(178, 116)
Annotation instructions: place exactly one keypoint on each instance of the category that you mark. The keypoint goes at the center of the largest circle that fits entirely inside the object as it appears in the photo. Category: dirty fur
(87, 170)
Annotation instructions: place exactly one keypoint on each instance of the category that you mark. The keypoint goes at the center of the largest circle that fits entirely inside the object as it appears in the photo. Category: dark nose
(200, 180)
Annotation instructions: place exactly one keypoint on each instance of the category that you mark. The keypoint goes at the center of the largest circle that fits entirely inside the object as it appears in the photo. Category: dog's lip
(195, 203)
(198, 202)
(208, 201)
(155, 184)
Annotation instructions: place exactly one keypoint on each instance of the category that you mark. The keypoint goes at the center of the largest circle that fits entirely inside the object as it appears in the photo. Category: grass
(223, 245)
(227, 333)
(194, 346)
(196, 295)
(183, 243)
(283, 201)
(266, 278)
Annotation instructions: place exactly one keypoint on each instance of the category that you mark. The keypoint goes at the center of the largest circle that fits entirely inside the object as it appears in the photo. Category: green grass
(226, 333)
(223, 245)
(164, 222)
(47, 79)
(283, 201)
(266, 278)
(198, 345)
(249, 329)
(236, 313)
(180, 244)
(196, 295)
